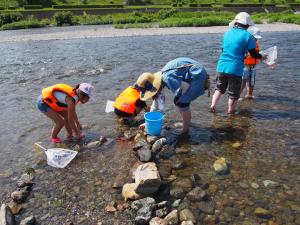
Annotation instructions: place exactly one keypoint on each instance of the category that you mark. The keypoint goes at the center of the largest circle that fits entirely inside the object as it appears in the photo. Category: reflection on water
(267, 127)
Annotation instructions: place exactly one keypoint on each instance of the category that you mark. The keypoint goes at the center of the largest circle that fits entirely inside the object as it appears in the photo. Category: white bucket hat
(87, 89)
(255, 32)
(244, 18)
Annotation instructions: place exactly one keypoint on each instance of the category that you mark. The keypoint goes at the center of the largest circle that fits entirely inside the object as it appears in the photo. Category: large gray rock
(6, 216)
(147, 179)
(144, 154)
(140, 144)
(28, 221)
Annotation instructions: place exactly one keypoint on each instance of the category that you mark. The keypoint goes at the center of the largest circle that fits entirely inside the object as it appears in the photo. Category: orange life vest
(49, 99)
(249, 60)
(125, 102)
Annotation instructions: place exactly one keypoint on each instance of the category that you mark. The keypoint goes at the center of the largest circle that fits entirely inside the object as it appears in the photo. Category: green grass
(94, 19)
(194, 22)
(25, 24)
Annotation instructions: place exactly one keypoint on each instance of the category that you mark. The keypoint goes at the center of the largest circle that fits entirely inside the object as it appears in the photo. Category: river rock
(172, 218)
(28, 221)
(206, 207)
(130, 134)
(140, 144)
(176, 203)
(144, 154)
(157, 146)
(236, 145)
(262, 213)
(15, 207)
(93, 144)
(197, 194)
(161, 205)
(6, 216)
(143, 216)
(128, 192)
(270, 184)
(178, 164)
(243, 185)
(144, 202)
(187, 215)
(187, 223)
(177, 192)
(182, 150)
(166, 152)
(157, 221)
(147, 179)
(151, 139)
(24, 183)
(221, 166)
(19, 196)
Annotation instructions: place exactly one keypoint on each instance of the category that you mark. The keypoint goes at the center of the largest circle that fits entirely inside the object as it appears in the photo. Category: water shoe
(55, 140)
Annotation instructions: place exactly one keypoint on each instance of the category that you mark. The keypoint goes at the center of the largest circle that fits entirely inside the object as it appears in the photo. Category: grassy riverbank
(163, 18)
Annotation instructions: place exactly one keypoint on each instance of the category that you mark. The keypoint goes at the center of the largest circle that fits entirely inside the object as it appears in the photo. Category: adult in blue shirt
(237, 41)
(185, 77)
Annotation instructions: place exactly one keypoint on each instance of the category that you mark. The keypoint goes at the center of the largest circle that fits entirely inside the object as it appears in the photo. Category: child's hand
(142, 126)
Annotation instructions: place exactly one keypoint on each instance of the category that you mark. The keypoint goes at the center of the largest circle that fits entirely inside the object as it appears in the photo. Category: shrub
(6, 18)
(166, 13)
(24, 24)
(94, 19)
(138, 2)
(33, 7)
(64, 18)
(85, 6)
(44, 3)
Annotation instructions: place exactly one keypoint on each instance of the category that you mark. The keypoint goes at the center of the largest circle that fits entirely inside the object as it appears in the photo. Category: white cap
(244, 18)
(255, 32)
(87, 89)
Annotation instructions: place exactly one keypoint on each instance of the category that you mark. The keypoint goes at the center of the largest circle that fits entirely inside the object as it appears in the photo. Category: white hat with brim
(255, 32)
(244, 19)
(149, 84)
(87, 89)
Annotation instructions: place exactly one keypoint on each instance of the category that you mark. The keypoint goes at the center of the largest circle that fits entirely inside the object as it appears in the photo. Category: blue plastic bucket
(154, 123)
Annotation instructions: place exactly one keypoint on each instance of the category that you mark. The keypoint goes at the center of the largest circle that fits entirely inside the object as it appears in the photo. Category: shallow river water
(267, 127)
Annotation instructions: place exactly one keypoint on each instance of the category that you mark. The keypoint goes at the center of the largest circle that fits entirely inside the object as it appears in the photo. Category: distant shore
(100, 31)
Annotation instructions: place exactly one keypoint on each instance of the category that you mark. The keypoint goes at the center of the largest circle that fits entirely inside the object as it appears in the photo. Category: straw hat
(149, 84)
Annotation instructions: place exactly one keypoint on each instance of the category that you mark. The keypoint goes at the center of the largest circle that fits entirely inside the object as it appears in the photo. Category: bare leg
(67, 126)
(243, 86)
(216, 97)
(231, 105)
(58, 122)
(186, 117)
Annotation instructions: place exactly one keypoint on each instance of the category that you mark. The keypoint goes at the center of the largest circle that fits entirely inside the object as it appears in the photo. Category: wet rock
(166, 152)
(110, 208)
(262, 213)
(120, 181)
(144, 202)
(254, 185)
(187, 215)
(24, 183)
(151, 139)
(138, 137)
(178, 164)
(185, 183)
(237, 145)
(171, 178)
(182, 150)
(176, 203)
(232, 211)
(94, 144)
(6, 215)
(140, 144)
(161, 213)
(102, 140)
(157, 221)
(147, 179)
(128, 192)
(187, 223)
(28, 221)
(172, 218)
(206, 207)
(213, 188)
(76, 190)
(19, 196)
(157, 146)
(270, 184)
(15, 207)
(144, 215)
(243, 185)
(221, 166)
(144, 154)
(161, 205)
(198, 182)
(130, 134)
(197, 194)
(134, 167)
(177, 192)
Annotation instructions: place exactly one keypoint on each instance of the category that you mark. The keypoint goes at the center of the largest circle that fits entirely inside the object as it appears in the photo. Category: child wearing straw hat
(184, 77)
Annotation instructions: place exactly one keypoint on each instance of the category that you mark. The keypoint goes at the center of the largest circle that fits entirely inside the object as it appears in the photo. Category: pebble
(157, 221)
(161, 213)
(176, 203)
(262, 213)
(213, 188)
(270, 184)
(206, 207)
(157, 146)
(254, 185)
(236, 145)
(128, 192)
(197, 194)
(178, 164)
(243, 185)
(19, 196)
(94, 144)
(172, 218)
(28, 221)
(110, 209)
(6, 215)
(221, 166)
(151, 139)
(182, 150)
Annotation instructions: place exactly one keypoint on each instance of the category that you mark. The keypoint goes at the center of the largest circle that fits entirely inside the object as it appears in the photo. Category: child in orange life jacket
(129, 104)
(250, 63)
(58, 102)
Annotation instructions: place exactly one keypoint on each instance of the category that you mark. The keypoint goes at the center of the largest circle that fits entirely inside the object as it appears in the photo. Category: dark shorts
(233, 83)
(42, 106)
(123, 114)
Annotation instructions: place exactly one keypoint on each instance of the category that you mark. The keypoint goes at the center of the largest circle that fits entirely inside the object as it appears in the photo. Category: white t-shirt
(159, 103)
(61, 97)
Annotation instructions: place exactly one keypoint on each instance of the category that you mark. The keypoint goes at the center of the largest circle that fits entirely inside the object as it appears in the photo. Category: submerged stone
(172, 218)
(151, 139)
(236, 145)
(221, 166)
(270, 184)
(262, 213)
(197, 194)
(6, 215)
(28, 221)
(157, 146)
(206, 207)
(144, 154)
(187, 215)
